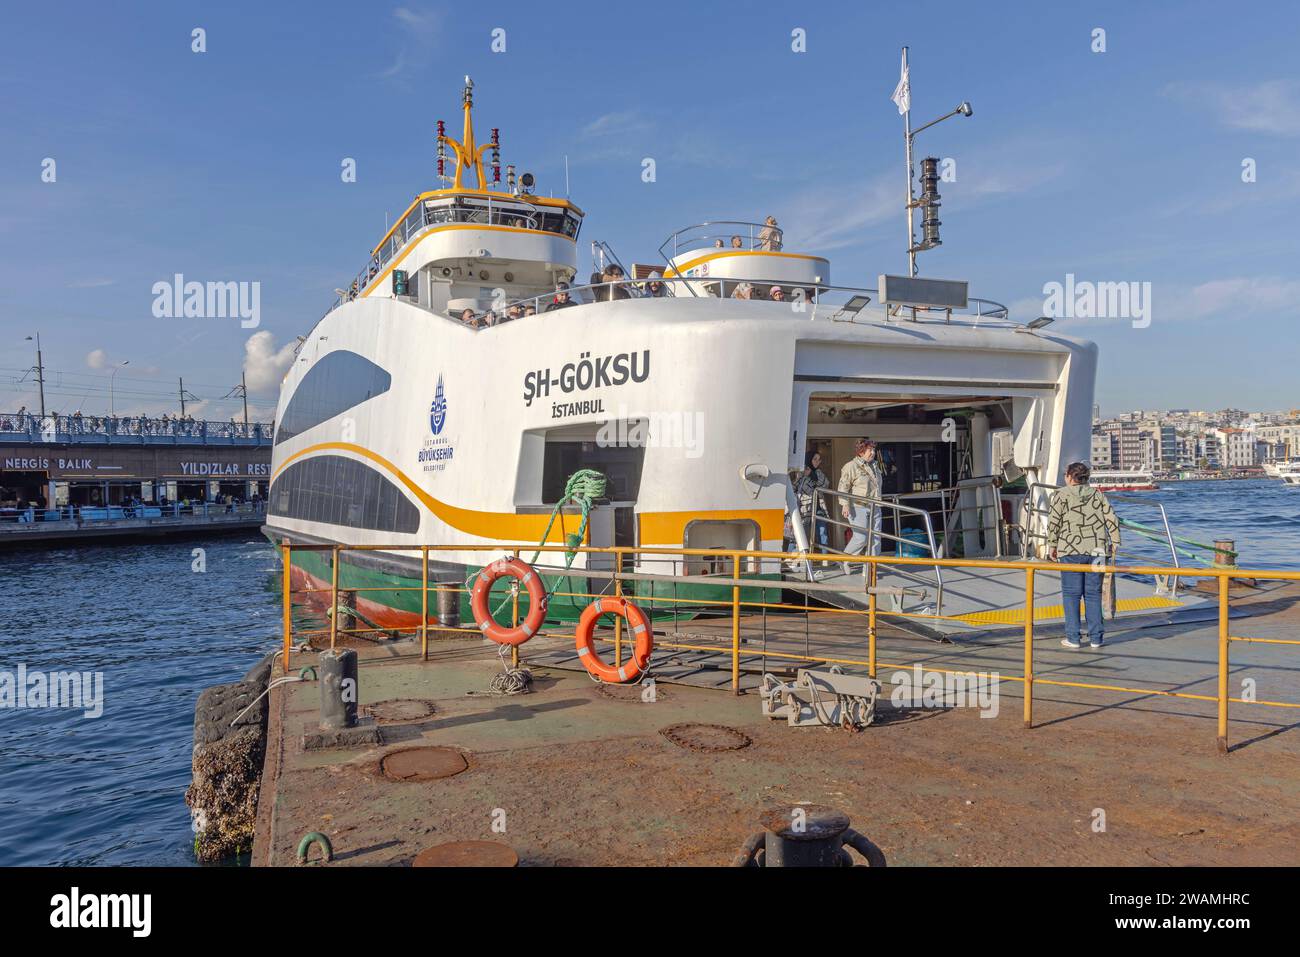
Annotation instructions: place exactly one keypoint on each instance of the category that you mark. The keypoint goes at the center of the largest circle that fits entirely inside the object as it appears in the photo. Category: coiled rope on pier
(582, 489)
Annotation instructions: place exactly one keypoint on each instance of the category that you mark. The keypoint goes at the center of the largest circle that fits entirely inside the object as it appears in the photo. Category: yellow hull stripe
(1016, 616)
(692, 263)
(657, 528)
(669, 528)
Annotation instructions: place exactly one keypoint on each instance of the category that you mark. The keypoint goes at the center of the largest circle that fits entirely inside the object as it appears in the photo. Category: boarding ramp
(947, 603)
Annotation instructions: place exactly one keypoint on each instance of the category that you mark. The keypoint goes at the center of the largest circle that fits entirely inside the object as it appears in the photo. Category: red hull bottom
(381, 615)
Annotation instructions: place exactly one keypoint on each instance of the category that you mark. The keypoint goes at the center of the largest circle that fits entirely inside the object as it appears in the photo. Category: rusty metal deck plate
(422, 764)
(400, 710)
(467, 854)
(629, 693)
(706, 738)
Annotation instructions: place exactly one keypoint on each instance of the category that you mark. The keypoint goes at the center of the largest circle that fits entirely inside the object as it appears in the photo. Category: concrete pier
(576, 773)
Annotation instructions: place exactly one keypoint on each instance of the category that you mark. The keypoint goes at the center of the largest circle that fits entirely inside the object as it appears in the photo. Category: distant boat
(1279, 467)
(1129, 480)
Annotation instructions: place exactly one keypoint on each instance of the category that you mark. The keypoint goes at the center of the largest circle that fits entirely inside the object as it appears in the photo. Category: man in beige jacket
(861, 476)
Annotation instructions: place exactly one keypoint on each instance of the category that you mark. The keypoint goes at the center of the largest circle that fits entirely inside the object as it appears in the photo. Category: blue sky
(225, 165)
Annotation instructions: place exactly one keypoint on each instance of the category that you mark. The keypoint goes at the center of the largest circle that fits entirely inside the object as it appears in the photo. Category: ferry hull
(389, 596)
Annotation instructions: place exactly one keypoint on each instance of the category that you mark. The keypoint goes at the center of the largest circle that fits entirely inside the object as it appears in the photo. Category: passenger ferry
(455, 385)
(1126, 480)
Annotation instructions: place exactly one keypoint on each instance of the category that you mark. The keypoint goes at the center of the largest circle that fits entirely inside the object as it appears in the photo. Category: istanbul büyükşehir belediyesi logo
(438, 411)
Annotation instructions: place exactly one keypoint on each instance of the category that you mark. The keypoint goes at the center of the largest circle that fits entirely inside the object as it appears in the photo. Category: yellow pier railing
(736, 606)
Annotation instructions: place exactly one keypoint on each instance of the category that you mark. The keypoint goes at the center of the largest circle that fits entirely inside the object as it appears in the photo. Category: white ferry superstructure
(400, 423)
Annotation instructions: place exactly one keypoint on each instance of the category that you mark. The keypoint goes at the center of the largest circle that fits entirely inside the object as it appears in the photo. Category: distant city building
(1125, 444)
(1284, 439)
(1100, 458)
(1236, 447)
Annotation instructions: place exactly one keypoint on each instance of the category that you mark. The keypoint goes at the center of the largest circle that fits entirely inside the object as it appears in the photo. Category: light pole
(964, 108)
(40, 372)
(903, 96)
(112, 406)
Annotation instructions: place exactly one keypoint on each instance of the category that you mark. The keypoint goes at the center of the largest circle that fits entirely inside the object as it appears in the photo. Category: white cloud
(616, 124)
(823, 220)
(1272, 106)
(1238, 297)
(264, 364)
(96, 359)
(417, 29)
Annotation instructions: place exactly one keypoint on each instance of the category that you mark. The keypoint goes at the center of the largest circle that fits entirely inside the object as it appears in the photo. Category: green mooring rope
(582, 489)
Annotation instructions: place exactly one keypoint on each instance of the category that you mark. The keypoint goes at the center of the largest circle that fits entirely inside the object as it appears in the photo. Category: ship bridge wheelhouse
(465, 246)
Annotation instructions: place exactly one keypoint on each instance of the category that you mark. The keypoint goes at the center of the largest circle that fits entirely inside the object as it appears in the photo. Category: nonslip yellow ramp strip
(1016, 616)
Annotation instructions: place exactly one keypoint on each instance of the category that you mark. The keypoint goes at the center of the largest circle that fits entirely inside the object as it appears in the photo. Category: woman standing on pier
(1082, 529)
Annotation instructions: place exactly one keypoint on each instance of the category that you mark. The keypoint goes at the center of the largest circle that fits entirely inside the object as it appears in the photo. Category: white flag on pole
(903, 92)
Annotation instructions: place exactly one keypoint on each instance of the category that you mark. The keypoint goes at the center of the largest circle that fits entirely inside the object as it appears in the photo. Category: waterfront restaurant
(57, 466)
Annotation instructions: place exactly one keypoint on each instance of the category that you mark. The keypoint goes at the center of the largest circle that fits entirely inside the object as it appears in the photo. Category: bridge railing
(24, 427)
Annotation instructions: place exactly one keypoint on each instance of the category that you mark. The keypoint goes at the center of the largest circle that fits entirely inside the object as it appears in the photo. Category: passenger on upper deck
(776, 294)
(737, 242)
(743, 291)
(654, 287)
(562, 300)
(769, 237)
(613, 287)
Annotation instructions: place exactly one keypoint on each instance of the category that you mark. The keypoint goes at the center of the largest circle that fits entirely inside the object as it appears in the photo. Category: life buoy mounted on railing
(637, 623)
(514, 568)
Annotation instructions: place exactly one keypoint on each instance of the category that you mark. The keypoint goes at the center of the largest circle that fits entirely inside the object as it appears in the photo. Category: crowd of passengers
(78, 424)
(611, 284)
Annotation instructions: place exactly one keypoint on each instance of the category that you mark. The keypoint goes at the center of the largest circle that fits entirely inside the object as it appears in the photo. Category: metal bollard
(449, 604)
(811, 835)
(338, 689)
(347, 607)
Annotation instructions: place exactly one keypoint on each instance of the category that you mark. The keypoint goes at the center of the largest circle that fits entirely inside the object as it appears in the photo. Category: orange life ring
(478, 602)
(641, 631)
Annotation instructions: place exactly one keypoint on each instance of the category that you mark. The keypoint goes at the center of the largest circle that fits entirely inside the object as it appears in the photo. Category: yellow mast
(467, 153)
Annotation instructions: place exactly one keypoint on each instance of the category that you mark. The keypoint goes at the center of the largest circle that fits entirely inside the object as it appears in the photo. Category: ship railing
(829, 506)
(747, 629)
(965, 508)
(812, 301)
(1035, 507)
(723, 234)
(128, 429)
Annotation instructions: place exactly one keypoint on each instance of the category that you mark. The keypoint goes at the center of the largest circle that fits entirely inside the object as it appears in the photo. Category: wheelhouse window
(340, 491)
(338, 382)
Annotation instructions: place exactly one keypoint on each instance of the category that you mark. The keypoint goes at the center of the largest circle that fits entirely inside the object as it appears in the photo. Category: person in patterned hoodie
(1082, 529)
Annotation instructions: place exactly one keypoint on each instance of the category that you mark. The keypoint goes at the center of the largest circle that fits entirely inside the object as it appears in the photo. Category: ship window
(339, 491)
(333, 385)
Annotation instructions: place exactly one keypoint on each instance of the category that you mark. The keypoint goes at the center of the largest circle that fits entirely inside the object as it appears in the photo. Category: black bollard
(338, 689)
(804, 836)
